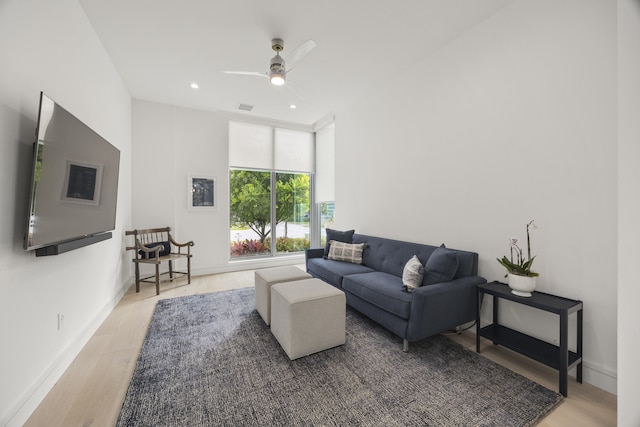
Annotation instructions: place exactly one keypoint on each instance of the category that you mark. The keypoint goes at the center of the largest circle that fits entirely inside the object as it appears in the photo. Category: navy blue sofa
(375, 287)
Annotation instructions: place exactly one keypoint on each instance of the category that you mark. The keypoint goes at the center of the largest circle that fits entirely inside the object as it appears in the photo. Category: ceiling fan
(278, 68)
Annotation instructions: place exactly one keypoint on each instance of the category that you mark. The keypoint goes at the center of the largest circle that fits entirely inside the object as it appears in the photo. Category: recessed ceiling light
(292, 106)
(194, 85)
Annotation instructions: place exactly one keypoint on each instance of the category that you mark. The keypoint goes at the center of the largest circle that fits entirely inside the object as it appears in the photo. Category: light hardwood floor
(91, 391)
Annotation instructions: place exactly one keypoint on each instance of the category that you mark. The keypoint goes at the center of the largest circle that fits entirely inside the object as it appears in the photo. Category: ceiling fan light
(277, 79)
(277, 71)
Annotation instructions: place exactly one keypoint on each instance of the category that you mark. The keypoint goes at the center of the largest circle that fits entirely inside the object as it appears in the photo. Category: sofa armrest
(436, 308)
(313, 253)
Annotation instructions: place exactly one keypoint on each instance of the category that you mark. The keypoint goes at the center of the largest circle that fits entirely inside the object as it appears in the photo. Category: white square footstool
(307, 316)
(267, 277)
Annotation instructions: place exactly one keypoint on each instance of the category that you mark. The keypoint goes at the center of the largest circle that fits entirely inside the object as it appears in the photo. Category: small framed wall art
(201, 192)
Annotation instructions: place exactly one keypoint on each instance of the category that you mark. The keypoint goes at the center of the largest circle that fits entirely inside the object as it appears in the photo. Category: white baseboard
(600, 377)
(27, 404)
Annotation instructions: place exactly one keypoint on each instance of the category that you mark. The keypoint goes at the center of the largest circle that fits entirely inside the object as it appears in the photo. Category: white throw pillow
(412, 274)
(340, 251)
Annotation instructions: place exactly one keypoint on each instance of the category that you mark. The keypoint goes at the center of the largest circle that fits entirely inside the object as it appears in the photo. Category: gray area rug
(209, 360)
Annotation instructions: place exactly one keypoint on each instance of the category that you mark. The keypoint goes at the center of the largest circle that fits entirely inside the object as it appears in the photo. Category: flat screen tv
(74, 183)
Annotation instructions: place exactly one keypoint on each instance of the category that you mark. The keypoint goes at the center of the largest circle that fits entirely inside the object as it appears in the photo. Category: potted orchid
(521, 279)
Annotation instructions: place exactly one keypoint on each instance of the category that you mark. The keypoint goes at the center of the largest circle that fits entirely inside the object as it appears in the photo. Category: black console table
(557, 357)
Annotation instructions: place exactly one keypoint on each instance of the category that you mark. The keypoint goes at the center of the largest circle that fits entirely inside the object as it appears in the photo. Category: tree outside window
(250, 212)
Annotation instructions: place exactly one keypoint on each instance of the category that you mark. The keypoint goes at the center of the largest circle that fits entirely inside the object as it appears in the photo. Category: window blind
(265, 147)
(325, 164)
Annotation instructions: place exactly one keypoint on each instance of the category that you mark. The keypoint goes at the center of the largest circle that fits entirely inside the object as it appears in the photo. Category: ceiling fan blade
(246, 73)
(294, 89)
(299, 53)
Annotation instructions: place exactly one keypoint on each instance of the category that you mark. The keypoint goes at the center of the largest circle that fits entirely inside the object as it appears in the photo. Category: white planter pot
(522, 285)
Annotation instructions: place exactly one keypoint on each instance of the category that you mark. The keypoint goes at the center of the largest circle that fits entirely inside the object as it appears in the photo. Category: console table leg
(495, 312)
(579, 348)
(564, 352)
(478, 307)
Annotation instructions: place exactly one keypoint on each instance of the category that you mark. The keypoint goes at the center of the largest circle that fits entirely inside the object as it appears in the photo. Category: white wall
(169, 145)
(172, 143)
(515, 120)
(628, 210)
(51, 47)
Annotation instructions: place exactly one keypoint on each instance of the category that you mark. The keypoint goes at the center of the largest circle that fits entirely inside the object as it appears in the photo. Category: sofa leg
(405, 346)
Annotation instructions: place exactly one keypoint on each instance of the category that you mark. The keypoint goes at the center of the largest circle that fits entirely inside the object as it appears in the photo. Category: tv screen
(74, 180)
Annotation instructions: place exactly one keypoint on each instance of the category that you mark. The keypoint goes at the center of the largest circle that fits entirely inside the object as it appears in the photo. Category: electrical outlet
(60, 320)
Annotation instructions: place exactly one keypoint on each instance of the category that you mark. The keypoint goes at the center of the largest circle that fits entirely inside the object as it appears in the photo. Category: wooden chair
(155, 246)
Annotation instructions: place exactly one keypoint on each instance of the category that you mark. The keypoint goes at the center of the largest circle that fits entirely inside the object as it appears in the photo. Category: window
(326, 220)
(293, 212)
(324, 180)
(250, 212)
(270, 189)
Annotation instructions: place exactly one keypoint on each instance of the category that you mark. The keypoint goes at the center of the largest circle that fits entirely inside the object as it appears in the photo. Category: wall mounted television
(74, 184)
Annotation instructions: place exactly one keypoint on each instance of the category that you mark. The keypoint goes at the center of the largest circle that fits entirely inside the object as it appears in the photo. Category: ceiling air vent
(245, 107)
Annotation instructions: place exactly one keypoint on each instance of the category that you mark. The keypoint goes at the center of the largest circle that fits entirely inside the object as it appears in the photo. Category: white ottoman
(307, 316)
(270, 276)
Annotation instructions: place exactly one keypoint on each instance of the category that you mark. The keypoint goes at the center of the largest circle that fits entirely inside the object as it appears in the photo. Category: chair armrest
(173, 242)
(441, 306)
(182, 245)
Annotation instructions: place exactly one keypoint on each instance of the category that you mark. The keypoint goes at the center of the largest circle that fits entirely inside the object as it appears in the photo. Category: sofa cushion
(380, 289)
(441, 266)
(338, 236)
(333, 271)
(347, 252)
(412, 274)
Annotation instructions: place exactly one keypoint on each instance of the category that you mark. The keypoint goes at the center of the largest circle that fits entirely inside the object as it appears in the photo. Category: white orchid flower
(517, 263)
